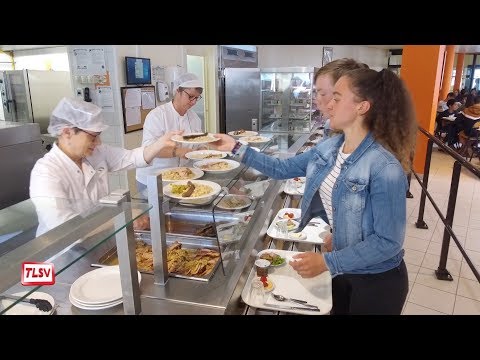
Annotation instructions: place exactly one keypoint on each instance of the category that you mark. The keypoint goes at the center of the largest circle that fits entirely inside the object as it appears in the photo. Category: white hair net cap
(187, 80)
(70, 113)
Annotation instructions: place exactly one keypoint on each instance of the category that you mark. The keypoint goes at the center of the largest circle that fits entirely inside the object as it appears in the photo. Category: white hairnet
(71, 113)
(187, 80)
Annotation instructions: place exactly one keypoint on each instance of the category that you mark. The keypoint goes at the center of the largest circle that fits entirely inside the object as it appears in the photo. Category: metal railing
(442, 273)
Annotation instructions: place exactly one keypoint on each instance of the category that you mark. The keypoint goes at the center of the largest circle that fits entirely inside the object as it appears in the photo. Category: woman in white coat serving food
(72, 177)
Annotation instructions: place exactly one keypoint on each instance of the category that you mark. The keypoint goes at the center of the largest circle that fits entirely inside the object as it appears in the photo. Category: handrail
(442, 273)
(451, 152)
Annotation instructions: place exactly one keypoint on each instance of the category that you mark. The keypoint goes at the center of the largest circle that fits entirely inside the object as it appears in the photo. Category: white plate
(197, 173)
(295, 187)
(231, 163)
(315, 231)
(203, 154)
(167, 190)
(93, 307)
(298, 236)
(291, 227)
(296, 213)
(179, 139)
(27, 309)
(244, 133)
(224, 206)
(255, 139)
(272, 251)
(98, 287)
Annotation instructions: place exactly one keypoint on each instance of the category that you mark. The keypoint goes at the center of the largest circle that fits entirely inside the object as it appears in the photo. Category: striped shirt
(327, 184)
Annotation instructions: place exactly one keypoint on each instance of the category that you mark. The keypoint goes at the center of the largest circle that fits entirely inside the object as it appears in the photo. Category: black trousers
(370, 294)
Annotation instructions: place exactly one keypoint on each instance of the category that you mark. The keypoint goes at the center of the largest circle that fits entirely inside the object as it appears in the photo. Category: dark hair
(391, 117)
(450, 94)
(470, 100)
(450, 102)
(337, 68)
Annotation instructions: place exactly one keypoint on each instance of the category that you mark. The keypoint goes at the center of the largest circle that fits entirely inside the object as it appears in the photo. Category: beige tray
(316, 291)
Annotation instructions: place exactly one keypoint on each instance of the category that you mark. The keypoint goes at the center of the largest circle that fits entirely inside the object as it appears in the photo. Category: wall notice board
(137, 102)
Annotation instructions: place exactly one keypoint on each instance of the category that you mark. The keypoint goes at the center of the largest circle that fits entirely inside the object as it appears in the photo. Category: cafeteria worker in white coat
(71, 178)
(173, 115)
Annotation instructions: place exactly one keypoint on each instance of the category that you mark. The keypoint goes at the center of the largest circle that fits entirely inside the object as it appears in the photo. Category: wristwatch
(237, 147)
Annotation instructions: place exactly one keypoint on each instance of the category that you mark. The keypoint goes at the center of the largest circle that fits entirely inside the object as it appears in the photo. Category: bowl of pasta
(192, 191)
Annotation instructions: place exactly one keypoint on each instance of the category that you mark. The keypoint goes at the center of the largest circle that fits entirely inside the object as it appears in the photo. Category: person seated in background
(467, 118)
(444, 125)
(442, 104)
(72, 177)
(464, 122)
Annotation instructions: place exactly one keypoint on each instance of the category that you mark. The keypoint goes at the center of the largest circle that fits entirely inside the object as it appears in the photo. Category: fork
(302, 302)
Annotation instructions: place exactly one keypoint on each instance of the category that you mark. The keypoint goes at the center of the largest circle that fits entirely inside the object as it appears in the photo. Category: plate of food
(180, 173)
(205, 154)
(255, 139)
(291, 224)
(195, 138)
(241, 132)
(297, 235)
(234, 202)
(289, 213)
(295, 186)
(216, 166)
(192, 190)
(274, 258)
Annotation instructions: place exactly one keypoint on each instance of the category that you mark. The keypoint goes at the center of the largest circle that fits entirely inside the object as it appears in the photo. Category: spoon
(283, 298)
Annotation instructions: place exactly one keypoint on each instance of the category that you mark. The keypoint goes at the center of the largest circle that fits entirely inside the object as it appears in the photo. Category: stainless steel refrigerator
(239, 88)
(29, 96)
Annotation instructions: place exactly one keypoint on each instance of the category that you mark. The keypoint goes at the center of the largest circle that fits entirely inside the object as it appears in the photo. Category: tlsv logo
(37, 273)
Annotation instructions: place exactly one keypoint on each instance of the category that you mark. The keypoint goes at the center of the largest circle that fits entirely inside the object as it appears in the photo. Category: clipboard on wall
(137, 102)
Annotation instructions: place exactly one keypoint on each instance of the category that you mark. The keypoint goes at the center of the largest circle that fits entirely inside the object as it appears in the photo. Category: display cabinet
(287, 99)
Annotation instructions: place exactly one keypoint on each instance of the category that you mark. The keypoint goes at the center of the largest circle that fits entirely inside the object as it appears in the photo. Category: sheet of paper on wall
(97, 61)
(104, 98)
(132, 116)
(148, 100)
(133, 98)
(80, 60)
(89, 61)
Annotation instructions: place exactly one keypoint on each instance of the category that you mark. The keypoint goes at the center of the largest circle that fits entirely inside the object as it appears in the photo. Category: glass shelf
(64, 245)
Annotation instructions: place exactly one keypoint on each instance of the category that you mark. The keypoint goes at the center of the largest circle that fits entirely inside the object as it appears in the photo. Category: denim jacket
(368, 201)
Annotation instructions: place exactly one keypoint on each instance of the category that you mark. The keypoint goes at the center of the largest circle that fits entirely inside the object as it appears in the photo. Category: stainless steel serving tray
(111, 257)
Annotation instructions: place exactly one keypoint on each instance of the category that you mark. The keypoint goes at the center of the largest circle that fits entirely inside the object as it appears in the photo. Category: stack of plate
(98, 289)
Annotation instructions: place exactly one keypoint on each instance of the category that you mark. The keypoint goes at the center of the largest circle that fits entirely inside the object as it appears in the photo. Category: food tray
(111, 256)
(316, 291)
(315, 230)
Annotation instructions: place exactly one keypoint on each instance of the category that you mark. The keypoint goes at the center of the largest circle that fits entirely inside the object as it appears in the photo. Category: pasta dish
(221, 165)
(178, 174)
(198, 190)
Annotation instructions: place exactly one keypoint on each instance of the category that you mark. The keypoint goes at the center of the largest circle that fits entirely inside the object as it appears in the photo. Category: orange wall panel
(421, 71)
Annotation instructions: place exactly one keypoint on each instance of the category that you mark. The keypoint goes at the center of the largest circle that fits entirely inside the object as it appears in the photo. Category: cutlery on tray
(280, 307)
(302, 302)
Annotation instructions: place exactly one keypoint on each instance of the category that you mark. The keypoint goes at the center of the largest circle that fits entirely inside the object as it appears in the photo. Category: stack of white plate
(98, 289)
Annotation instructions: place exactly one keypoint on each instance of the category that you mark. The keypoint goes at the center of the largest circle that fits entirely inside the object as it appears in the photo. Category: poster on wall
(104, 98)
(89, 61)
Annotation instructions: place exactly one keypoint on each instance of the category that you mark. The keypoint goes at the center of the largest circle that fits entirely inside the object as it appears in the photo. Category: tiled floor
(427, 295)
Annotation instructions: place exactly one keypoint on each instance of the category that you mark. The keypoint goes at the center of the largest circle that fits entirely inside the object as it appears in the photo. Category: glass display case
(287, 99)
(222, 232)
(65, 247)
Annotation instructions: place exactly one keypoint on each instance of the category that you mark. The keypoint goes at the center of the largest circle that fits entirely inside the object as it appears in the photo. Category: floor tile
(413, 231)
(432, 298)
(414, 309)
(414, 243)
(466, 306)
(469, 288)
(473, 240)
(453, 252)
(431, 261)
(414, 257)
(427, 277)
(412, 272)
(466, 272)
